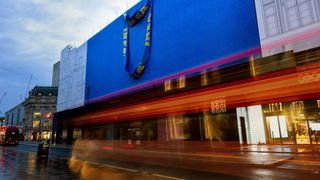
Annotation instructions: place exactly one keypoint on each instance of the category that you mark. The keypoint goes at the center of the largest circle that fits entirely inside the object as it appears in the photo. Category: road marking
(113, 167)
(251, 159)
(168, 177)
(134, 170)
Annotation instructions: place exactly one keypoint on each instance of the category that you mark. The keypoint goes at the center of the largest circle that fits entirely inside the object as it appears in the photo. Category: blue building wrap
(187, 36)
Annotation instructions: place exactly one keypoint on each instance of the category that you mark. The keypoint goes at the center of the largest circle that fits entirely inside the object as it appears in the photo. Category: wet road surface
(16, 164)
(21, 163)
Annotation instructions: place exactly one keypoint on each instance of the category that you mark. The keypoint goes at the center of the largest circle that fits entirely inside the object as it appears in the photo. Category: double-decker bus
(9, 135)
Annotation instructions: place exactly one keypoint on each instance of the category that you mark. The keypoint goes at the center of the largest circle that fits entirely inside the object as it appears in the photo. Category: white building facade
(288, 25)
(72, 77)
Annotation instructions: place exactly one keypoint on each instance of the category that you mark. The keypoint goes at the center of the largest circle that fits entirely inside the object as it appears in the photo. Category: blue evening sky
(33, 32)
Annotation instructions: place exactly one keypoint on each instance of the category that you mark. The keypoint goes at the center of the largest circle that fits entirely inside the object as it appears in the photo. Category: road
(250, 162)
(21, 162)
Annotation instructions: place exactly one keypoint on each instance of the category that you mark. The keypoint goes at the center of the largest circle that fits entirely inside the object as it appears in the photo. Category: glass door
(277, 129)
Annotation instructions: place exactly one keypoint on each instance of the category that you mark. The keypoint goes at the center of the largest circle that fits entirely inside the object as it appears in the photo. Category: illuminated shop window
(176, 126)
(181, 82)
(277, 126)
(46, 135)
(318, 103)
(252, 67)
(167, 85)
(207, 126)
(215, 76)
(35, 123)
(48, 115)
(36, 115)
(204, 78)
(314, 125)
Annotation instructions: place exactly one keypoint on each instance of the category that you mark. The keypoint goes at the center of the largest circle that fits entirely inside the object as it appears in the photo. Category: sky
(33, 32)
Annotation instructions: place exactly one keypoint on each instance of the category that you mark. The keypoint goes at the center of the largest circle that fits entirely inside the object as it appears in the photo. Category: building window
(50, 94)
(37, 115)
(48, 115)
(298, 13)
(175, 84)
(39, 94)
(181, 82)
(305, 12)
(271, 17)
(35, 123)
(204, 78)
(167, 85)
(292, 14)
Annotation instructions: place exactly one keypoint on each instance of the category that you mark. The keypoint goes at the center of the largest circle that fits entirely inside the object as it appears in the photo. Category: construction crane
(2, 97)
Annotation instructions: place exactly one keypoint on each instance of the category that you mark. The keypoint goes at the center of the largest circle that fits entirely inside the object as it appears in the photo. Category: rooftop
(44, 91)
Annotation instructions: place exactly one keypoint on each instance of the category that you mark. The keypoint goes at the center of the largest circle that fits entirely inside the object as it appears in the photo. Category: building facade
(2, 121)
(286, 25)
(290, 39)
(15, 116)
(253, 80)
(39, 108)
(55, 74)
(72, 77)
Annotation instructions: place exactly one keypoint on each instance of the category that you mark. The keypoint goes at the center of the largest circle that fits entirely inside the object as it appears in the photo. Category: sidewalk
(291, 149)
(36, 143)
(288, 149)
(62, 151)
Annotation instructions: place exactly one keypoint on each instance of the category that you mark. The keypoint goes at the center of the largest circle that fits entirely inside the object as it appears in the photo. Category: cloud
(33, 32)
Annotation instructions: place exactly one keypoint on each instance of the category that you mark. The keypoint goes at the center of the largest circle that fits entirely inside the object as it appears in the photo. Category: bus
(9, 135)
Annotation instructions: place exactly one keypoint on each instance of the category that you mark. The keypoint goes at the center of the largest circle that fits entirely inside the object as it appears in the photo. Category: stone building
(39, 108)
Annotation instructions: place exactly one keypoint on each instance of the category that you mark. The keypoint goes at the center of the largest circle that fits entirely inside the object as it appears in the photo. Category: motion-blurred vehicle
(9, 135)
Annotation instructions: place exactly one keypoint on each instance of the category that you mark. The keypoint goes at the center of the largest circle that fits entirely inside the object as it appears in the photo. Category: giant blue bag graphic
(186, 35)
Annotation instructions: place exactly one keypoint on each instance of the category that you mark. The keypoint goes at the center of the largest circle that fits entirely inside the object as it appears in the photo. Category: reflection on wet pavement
(24, 165)
(89, 171)
(17, 164)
